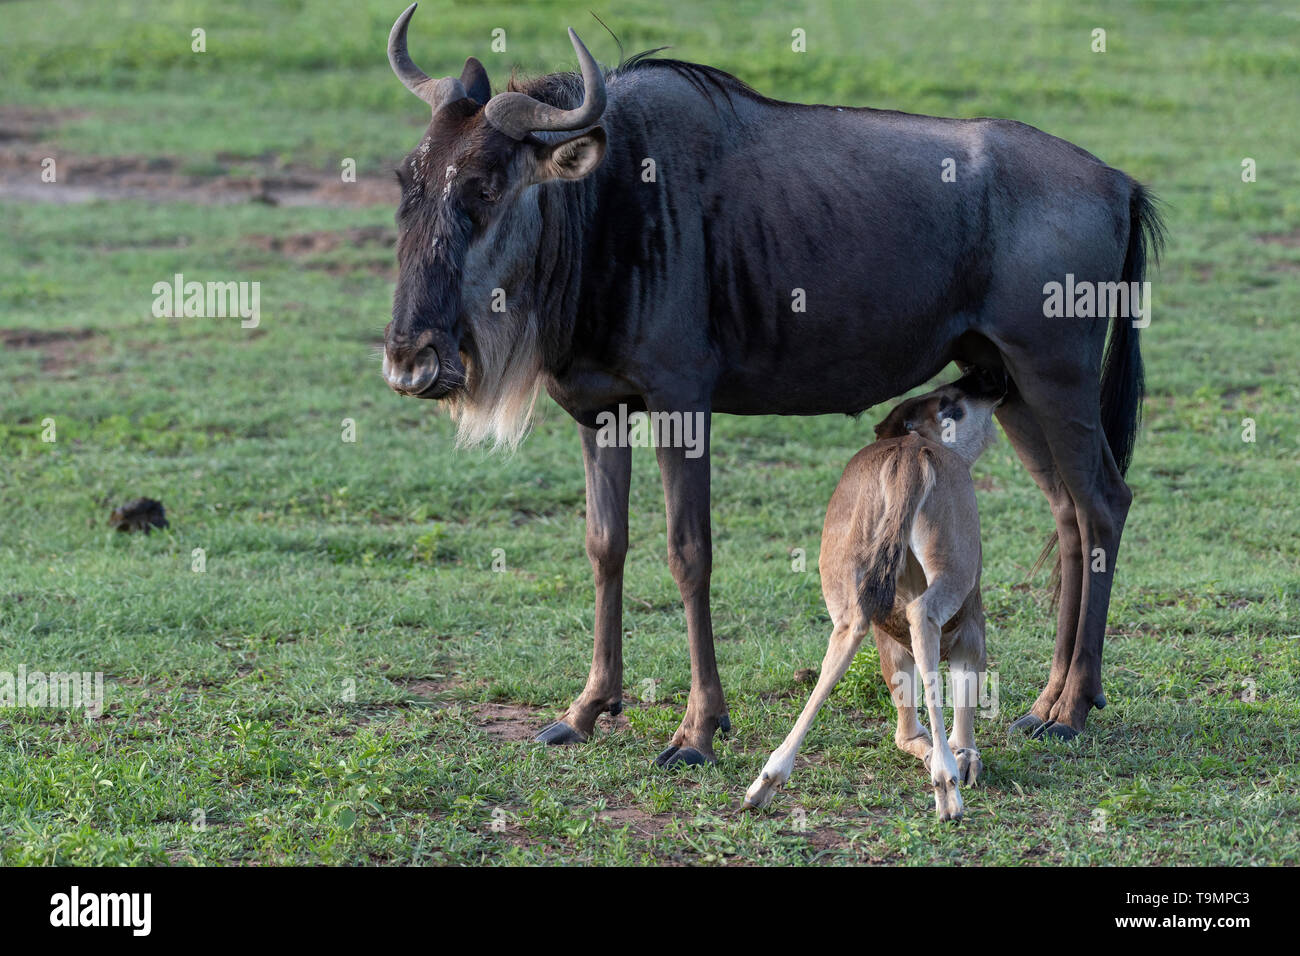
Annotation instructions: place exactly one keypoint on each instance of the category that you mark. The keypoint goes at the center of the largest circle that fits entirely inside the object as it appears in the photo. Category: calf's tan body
(901, 556)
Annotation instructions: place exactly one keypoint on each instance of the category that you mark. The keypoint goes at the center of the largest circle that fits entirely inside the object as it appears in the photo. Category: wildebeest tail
(1123, 380)
(906, 478)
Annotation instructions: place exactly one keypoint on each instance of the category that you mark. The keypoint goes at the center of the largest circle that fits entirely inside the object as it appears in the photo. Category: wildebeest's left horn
(434, 92)
(518, 114)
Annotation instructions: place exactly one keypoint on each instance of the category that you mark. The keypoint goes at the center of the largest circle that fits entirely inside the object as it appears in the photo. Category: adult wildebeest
(683, 294)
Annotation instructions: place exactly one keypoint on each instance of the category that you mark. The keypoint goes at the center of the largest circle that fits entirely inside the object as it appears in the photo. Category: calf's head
(958, 415)
(468, 223)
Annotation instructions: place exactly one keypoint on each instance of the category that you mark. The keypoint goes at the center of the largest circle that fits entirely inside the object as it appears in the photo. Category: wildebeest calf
(901, 554)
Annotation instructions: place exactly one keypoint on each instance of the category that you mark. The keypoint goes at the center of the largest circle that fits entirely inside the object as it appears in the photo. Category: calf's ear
(893, 424)
(573, 158)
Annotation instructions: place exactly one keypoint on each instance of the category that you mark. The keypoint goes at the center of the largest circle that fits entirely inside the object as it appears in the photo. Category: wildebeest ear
(475, 80)
(572, 158)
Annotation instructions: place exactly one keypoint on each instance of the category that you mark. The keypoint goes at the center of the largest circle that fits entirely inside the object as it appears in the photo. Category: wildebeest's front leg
(609, 473)
(685, 472)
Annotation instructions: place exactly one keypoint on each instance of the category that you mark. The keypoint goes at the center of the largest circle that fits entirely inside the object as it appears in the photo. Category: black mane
(564, 90)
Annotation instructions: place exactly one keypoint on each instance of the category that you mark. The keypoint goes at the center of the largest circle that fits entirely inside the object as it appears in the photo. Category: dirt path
(25, 145)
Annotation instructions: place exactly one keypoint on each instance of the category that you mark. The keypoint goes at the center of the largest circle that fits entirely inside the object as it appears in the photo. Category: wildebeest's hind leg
(1066, 405)
(609, 473)
(844, 643)
(899, 671)
(690, 558)
(1025, 435)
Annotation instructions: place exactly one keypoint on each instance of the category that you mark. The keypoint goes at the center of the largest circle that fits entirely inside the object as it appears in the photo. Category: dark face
(458, 185)
(452, 186)
(465, 181)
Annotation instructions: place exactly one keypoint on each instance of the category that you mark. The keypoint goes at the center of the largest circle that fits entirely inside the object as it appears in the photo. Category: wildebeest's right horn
(518, 114)
(434, 92)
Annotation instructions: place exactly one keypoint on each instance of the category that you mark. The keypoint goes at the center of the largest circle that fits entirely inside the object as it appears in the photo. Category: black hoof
(1026, 725)
(681, 756)
(559, 733)
(1099, 702)
(616, 708)
(724, 724)
(1056, 731)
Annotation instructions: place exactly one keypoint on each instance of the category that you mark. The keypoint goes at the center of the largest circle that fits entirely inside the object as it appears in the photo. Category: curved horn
(518, 114)
(434, 92)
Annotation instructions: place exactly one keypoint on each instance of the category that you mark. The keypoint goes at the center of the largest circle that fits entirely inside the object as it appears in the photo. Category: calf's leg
(966, 661)
(925, 617)
(899, 671)
(844, 643)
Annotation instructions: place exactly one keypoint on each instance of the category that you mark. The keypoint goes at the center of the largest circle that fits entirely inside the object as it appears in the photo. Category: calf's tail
(906, 479)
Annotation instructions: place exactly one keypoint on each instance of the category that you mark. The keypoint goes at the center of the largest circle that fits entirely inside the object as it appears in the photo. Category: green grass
(345, 681)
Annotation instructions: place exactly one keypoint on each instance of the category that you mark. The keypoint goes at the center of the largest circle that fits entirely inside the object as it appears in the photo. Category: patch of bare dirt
(641, 823)
(305, 247)
(40, 338)
(25, 146)
(165, 179)
(61, 349)
(25, 124)
(504, 720)
(1290, 240)
(425, 688)
(315, 243)
(508, 721)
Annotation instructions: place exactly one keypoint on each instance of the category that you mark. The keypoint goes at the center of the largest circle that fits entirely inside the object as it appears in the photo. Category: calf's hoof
(683, 757)
(559, 733)
(760, 793)
(969, 765)
(947, 800)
